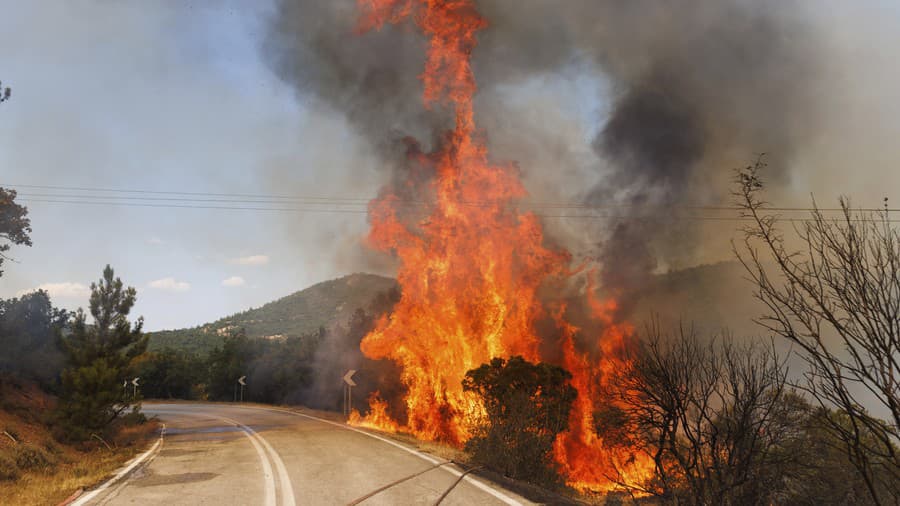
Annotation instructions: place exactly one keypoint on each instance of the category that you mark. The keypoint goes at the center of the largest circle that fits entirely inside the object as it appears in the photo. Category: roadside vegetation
(35, 467)
(527, 405)
(66, 423)
(836, 299)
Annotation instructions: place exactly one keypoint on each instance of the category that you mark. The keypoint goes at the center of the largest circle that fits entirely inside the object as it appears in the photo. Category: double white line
(266, 452)
(463, 475)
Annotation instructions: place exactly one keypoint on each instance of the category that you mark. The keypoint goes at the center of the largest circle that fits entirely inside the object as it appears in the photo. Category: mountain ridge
(325, 304)
(711, 296)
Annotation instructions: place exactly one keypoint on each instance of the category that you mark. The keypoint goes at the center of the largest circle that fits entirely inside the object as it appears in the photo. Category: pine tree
(98, 360)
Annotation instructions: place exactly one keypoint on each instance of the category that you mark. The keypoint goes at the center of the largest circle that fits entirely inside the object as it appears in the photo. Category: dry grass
(36, 469)
(76, 470)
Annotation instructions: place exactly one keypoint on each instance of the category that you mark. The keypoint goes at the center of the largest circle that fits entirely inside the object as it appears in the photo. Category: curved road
(229, 454)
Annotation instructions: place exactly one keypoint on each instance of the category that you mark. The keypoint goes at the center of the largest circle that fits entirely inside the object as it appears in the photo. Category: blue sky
(176, 96)
(163, 96)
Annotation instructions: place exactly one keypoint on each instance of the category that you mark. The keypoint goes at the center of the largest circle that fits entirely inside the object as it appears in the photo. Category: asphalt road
(228, 454)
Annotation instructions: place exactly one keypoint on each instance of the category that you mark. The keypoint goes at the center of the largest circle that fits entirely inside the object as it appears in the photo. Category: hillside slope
(324, 304)
(35, 468)
(710, 297)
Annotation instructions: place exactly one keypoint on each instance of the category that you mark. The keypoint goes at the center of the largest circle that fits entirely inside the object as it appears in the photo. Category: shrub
(527, 405)
(30, 457)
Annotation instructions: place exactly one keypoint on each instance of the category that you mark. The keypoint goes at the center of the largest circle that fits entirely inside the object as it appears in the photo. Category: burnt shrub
(526, 405)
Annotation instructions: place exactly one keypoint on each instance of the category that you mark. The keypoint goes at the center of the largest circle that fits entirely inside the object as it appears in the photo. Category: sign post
(348, 390)
(243, 383)
(134, 383)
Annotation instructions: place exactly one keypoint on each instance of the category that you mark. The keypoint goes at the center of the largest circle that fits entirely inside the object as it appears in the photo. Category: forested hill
(709, 296)
(322, 305)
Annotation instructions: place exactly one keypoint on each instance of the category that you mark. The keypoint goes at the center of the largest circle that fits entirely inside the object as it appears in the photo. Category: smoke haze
(691, 92)
(634, 106)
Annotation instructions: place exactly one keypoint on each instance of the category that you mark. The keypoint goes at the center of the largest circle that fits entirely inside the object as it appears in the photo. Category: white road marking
(268, 477)
(287, 490)
(468, 478)
(81, 501)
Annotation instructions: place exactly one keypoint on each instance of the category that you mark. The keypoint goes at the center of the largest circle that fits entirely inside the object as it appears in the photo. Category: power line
(175, 199)
(359, 201)
(177, 206)
(158, 192)
(364, 211)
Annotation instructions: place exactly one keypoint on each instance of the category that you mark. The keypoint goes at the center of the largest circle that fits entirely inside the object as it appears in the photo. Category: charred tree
(836, 298)
(713, 416)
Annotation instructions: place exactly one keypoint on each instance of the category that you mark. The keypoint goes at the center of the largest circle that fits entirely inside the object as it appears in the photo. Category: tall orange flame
(582, 455)
(471, 269)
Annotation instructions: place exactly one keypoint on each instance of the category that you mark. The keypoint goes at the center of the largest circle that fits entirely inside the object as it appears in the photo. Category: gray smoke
(371, 79)
(697, 89)
(703, 89)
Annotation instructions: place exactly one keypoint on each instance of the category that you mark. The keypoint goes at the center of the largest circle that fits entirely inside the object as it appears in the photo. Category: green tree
(29, 326)
(169, 374)
(98, 359)
(527, 405)
(282, 369)
(228, 363)
(15, 226)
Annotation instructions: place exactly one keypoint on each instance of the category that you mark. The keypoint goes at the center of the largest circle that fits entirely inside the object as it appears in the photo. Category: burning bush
(526, 406)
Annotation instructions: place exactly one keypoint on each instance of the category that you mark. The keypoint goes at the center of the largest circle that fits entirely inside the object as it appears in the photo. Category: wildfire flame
(471, 269)
(377, 417)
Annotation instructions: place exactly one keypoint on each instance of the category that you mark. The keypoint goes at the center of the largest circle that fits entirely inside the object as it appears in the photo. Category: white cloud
(66, 289)
(233, 281)
(170, 285)
(251, 260)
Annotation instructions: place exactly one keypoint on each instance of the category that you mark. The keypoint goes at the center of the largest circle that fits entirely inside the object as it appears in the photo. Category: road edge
(123, 472)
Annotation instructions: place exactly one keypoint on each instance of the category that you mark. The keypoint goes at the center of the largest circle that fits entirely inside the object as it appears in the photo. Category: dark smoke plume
(697, 89)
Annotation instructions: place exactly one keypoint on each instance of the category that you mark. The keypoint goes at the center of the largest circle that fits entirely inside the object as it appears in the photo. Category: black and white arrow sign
(134, 382)
(241, 380)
